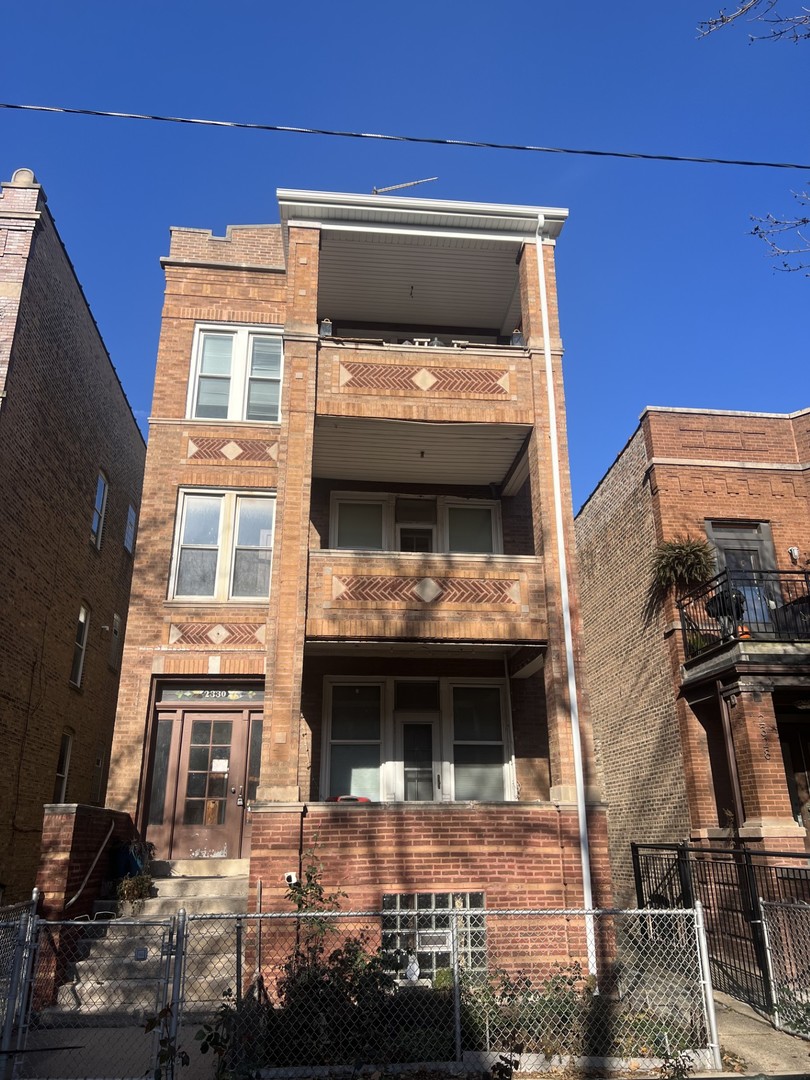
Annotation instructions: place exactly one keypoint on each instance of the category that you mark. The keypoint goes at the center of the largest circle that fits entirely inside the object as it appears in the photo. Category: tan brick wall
(629, 673)
(63, 418)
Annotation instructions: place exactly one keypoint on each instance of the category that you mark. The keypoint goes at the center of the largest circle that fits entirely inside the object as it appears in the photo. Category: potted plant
(135, 887)
(680, 564)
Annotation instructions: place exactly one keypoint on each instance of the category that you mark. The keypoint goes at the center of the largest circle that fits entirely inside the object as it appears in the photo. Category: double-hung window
(477, 743)
(80, 646)
(356, 740)
(63, 766)
(236, 374)
(224, 545)
(371, 522)
(99, 510)
(129, 532)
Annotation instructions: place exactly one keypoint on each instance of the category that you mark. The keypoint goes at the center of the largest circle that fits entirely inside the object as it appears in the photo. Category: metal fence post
(685, 876)
(706, 983)
(456, 982)
(177, 977)
(772, 991)
(238, 960)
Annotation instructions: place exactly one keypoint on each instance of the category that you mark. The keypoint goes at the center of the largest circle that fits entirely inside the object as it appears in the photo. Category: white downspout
(579, 775)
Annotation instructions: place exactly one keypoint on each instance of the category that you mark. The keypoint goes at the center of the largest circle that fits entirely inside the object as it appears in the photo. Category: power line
(425, 140)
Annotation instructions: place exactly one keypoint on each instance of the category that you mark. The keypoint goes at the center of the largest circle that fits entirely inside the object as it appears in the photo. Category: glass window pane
(160, 772)
(255, 523)
(477, 713)
(266, 356)
(201, 733)
(221, 735)
(416, 695)
(470, 528)
(416, 511)
(360, 525)
(251, 573)
(196, 574)
(216, 354)
(255, 758)
(478, 773)
(198, 757)
(263, 400)
(355, 770)
(201, 525)
(216, 785)
(193, 812)
(212, 398)
(195, 784)
(355, 712)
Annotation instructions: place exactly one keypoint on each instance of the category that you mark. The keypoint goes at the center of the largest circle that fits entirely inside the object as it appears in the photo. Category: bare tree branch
(770, 228)
(793, 28)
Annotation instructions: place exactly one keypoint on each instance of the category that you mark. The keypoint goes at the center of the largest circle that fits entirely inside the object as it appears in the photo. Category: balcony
(356, 595)
(425, 379)
(755, 605)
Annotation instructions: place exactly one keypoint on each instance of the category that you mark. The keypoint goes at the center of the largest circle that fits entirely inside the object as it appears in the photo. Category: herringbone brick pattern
(434, 380)
(242, 450)
(361, 588)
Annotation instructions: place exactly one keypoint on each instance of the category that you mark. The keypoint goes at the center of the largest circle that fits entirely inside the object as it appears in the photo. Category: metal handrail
(73, 899)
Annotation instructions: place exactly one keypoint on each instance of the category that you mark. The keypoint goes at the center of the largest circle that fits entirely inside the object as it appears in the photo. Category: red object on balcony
(349, 798)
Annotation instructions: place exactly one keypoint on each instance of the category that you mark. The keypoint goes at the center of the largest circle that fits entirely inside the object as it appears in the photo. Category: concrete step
(101, 995)
(163, 906)
(187, 868)
(191, 887)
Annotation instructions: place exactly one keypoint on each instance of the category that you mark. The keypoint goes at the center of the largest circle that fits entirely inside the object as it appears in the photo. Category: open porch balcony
(740, 605)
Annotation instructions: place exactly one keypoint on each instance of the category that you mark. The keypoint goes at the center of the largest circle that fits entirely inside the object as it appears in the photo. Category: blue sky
(664, 297)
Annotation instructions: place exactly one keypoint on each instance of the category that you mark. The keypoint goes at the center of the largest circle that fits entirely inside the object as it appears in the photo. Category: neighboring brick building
(344, 390)
(71, 467)
(741, 480)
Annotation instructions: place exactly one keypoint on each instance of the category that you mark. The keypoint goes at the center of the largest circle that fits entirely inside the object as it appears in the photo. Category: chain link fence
(283, 994)
(787, 937)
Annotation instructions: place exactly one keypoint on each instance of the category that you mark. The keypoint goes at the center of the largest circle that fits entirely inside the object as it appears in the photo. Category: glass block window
(420, 927)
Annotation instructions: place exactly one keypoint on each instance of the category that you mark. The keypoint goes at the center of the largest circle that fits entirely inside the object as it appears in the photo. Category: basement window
(421, 927)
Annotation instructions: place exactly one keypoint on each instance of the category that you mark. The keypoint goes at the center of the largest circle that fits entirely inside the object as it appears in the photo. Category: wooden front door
(201, 797)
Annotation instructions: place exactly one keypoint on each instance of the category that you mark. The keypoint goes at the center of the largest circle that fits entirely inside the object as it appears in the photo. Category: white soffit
(410, 452)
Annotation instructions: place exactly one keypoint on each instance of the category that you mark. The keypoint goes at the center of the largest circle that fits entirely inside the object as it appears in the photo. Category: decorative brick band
(223, 635)
(436, 380)
(241, 450)
(361, 588)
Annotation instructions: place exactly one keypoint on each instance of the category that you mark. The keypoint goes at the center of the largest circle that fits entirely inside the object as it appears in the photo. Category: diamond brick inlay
(362, 588)
(220, 634)
(222, 450)
(440, 380)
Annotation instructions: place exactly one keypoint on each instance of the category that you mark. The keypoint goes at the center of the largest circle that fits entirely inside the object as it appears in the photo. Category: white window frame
(391, 764)
(226, 543)
(61, 778)
(99, 512)
(391, 528)
(131, 528)
(242, 337)
(80, 646)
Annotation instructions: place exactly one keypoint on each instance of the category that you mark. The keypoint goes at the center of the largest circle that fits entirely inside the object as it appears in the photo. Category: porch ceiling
(410, 452)
(523, 659)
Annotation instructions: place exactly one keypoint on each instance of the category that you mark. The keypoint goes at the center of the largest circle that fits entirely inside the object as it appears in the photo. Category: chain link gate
(787, 938)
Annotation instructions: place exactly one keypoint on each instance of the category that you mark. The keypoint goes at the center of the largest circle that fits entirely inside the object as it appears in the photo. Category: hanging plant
(681, 564)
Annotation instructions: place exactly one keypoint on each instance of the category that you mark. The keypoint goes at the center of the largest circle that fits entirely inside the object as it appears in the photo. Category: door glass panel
(207, 776)
(255, 759)
(412, 538)
(417, 753)
(160, 772)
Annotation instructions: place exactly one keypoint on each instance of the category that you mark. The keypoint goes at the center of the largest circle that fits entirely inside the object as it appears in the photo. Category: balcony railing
(761, 605)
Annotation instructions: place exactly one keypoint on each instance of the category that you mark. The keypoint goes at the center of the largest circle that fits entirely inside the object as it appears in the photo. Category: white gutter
(579, 775)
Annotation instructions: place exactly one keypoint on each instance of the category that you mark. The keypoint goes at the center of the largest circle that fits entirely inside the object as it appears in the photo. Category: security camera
(291, 879)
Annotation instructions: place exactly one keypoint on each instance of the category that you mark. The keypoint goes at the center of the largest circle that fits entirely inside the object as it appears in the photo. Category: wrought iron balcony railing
(763, 605)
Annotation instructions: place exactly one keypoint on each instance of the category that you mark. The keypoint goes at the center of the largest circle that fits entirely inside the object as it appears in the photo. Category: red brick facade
(658, 724)
(63, 419)
(385, 419)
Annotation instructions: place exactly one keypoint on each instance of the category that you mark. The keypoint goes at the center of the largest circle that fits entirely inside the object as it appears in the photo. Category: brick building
(354, 619)
(71, 467)
(702, 713)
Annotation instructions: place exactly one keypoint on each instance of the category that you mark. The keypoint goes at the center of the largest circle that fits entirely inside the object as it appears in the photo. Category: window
(355, 757)
(236, 374)
(80, 646)
(419, 926)
(388, 523)
(224, 546)
(63, 767)
(129, 533)
(99, 510)
(416, 740)
(97, 785)
(116, 641)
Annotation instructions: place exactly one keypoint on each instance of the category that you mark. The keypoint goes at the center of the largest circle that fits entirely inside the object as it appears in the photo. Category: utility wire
(472, 143)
